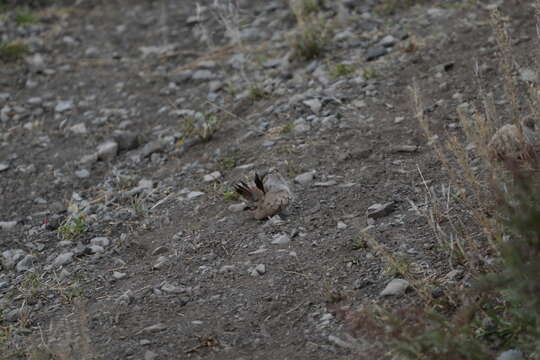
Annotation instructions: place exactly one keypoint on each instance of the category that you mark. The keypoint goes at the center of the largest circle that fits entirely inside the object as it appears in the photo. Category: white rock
(63, 105)
(107, 150)
(82, 173)
(341, 225)
(26, 263)
(7, 225)
(279, 239)
(305, 178)
(79, 129)
(119, 275)
(212, 176)
(101, 241)
(173, 289)
(260, 269)
(396, 287)
(511, 355)
(194, 194)
(96, 249)
(314, 104)
(237, 207)
(4, 166)
(528, 75)
(63, 259)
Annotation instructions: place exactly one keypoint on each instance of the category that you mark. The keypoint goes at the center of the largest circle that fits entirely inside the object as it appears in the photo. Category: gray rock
(96, 249)
(226, 269)
(82, 173)
(63, 259)
(181, 76)
(152, 147)
(63, 105)
(107, 150)
(194, 194)
(125, 298)
(34, 101)
(300, 126)
(11, 257)
(36, 62)
(528, 75)
(396, 287)
(156, 50)
(26, 263)
(203, 75)
(388, 41)
(305, 178)
(7, 225)
(341, 225)
(150, 355)
(215, 86)
(153, 328)
(280, 239)
(237, 207)
(161, 262)
(376, 52)
(260, 269)
(376, 211)
(250, 34)
(511, 355)
(325, 183)
(126, 140)
(4, 166)
(79, 129)
(88, 159)
(314, 104)
(118, 275)
(91, 51)
(101, 241)
(173, 289)
(212, 176)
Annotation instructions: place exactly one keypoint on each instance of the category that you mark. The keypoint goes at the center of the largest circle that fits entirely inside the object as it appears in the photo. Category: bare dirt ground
(125, 251)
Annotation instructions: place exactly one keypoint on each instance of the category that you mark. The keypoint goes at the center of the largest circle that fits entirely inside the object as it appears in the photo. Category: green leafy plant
(72, 227)
(24, 17)
(10, 52)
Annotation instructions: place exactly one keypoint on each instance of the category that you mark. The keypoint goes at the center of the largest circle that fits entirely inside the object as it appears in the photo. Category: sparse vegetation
(257, 93)
(230, 195)
(313, 33)
(228, 162)
(200, 126)
(24, 17)
(14, 51)
(340, 70)
(391, 7)
(502, 311)
(72, 227)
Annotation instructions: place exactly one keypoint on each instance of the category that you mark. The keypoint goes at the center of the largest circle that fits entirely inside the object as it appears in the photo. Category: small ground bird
(267, 196)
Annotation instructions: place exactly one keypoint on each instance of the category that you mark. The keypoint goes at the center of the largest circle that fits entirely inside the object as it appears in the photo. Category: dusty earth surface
(114, 242)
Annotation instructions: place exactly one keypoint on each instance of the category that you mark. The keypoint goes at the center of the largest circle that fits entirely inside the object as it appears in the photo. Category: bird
(268, 195)
(509, 144)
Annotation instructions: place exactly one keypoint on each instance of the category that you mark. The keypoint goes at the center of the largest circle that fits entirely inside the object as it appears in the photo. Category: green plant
(369, 74)
(72, 227)
(313, 33)
(24, 17)
(227, 162)
(199, 126)
(230, 195)
(340, 70)
(257, 93)
(287, 128)
(10, 52)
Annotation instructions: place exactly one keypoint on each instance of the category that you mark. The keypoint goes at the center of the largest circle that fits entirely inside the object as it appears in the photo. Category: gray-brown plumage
(508, 144)
(267, 196)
